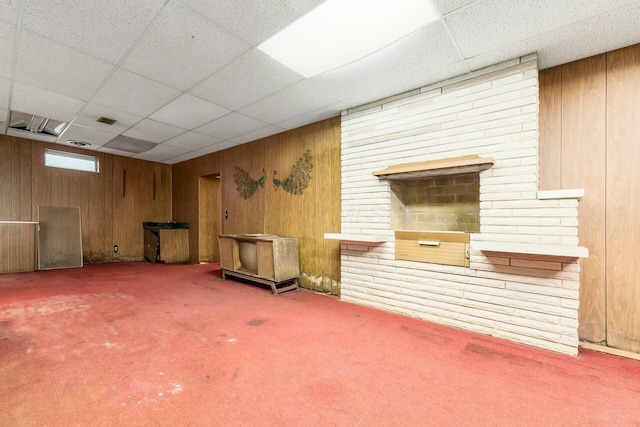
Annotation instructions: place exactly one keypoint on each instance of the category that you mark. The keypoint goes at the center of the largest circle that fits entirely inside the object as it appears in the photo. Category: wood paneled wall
(272, 210)
(589, 127)
(109, 216)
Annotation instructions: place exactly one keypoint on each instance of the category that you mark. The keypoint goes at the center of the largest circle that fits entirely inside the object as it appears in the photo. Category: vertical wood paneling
(269, 210)
(25, 182)
(623, 198)
(550, 128)
(6, 184)
(107, 218)
(245, 215)
(583, 166)
(594, 131)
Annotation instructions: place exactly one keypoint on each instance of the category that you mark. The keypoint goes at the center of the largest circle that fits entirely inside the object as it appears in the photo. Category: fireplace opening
(441, 203)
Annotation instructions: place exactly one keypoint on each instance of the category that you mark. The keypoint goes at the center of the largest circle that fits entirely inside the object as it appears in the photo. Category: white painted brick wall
(493, 113)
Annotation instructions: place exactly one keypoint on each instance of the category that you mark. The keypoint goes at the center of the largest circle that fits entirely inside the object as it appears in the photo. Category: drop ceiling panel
(248, 78)
(4, 93)
(448, 6)
(41, 102)
(257, 134)
(314, 116)
(9, 10)
(231, 125)
(191, 141)
(183, 157)
(7, 40)
(402, 66)
(493, 24)
(131, 93)
(105, 29)
(150, 130)
(189, 112)
(181, 48)
(160, 153)
(217, 147)
(586, 38)
(50, 65)
(80, 133)
(292, 101)
(115, 152)
(252, 20)
(92, 112)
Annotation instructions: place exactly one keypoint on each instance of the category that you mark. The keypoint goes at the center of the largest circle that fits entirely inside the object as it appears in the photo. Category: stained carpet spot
(434, 338)
(492, 354)
(256, 322)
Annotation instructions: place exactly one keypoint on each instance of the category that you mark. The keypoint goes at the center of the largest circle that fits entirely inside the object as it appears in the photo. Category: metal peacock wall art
(299, 176)
(246, 185)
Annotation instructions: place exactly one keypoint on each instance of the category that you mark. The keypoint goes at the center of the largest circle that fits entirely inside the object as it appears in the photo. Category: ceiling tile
(230, 126)
(257, 134)
(314, 116)
(32, 100)
(131, 93)
(583, 39)
(183, 157)
(116, 152)
(294, 100)
(248, 78)
(189, 112)
(492, 24)
(150, 130)
(4, 92)
(92, 112)
(7, 39)
(191, 141)
(160, 153)
(217, 147)
(253, 20)
(67, 71)
(397, 68)
(80, 133)
(105, 29)
(448, 6)
(9, 10)
(181, 48)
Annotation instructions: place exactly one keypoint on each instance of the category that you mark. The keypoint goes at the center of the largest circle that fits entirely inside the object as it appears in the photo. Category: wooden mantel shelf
(533, 249)
(448, 166)
(356, 238)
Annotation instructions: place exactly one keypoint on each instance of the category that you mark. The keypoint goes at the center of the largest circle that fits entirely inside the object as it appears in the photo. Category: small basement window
(64, 160)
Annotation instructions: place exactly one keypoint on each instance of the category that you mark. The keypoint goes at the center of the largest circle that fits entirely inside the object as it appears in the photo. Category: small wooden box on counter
(437, 247)
(166, 242)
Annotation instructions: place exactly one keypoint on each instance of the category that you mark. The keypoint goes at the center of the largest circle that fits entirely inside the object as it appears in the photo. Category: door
(208, 218)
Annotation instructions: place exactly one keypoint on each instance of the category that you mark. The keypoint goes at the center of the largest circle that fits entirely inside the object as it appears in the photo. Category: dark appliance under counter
(166, 242)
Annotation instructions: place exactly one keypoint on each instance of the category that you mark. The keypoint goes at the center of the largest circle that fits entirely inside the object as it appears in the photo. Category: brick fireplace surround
(523, 280)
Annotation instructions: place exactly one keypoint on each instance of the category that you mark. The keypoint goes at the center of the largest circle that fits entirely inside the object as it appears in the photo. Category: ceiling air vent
(106, 120)
(25, 125)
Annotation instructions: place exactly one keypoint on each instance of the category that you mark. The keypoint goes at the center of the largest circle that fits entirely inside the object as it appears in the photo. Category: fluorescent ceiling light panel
(339, 32)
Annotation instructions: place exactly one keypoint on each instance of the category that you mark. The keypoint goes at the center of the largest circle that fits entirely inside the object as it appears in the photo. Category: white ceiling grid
(186, 74)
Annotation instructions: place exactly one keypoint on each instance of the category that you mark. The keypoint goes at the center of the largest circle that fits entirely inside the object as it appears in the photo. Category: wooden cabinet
(449, 248)
(18, 247)
(262, 258)
(166, 243)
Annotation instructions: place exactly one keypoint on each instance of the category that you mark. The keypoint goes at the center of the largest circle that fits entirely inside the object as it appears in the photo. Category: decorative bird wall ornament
(246, 185)
(299, 176)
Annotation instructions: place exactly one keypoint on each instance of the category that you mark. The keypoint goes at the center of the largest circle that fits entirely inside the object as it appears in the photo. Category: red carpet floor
(174, 345)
